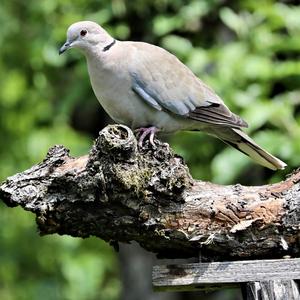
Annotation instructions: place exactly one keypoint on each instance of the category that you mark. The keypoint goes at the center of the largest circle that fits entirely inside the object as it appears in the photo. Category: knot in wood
(118, 142)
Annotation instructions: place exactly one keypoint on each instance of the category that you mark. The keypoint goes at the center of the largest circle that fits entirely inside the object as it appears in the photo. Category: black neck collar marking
(106, 48)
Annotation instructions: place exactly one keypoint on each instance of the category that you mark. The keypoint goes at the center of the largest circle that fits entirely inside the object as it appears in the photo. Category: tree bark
(122, 193)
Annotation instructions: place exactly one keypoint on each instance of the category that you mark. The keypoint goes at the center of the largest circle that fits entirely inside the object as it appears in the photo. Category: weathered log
(122, 193)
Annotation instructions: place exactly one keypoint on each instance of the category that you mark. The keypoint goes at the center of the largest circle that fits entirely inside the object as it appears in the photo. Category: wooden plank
(199, 276)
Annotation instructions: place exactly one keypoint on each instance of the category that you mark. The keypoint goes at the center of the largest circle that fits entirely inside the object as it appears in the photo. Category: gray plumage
(142, 85)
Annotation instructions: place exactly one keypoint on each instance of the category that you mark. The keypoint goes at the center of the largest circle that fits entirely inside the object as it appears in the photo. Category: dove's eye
(83, 32)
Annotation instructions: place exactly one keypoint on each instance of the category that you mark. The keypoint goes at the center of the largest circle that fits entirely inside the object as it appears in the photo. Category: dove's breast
(113, 91)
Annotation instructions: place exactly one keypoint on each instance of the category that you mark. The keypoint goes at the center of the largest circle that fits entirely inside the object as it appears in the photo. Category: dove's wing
(165, 83)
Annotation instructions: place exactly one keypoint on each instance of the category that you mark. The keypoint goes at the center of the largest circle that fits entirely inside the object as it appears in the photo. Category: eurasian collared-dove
(147, 88)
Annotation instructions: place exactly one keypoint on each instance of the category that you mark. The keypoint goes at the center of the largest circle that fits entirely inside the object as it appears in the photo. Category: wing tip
(281, 165)
(261, 156)
(243, 123)
(258, 154)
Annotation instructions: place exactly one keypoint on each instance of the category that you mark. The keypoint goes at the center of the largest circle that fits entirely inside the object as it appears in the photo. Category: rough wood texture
(198, 276)
(122, 193)
(271, 290)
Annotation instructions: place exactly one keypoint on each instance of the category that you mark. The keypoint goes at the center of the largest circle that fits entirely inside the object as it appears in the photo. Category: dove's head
(85, 35)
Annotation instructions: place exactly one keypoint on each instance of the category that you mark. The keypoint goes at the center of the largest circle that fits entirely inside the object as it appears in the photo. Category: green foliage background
(247, 50)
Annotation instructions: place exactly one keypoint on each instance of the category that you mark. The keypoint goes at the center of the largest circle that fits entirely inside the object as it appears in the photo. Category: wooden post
(260, 279)
(271, 290)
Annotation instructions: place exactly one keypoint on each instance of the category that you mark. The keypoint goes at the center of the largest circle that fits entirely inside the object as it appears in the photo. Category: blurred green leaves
(53, 267)
(13, 88)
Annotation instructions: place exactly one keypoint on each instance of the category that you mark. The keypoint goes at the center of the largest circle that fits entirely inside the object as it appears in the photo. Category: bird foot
(144, 132)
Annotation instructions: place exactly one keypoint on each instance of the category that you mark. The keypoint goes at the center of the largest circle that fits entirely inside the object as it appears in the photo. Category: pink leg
(145, 131)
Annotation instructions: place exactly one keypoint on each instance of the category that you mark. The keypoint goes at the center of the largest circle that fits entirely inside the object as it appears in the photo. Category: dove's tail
(242, 142)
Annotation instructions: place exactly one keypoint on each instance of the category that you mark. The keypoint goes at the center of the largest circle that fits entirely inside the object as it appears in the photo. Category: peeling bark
(122, 193)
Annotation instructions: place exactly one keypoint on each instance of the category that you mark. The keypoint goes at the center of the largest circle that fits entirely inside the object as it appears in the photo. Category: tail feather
(242, 142)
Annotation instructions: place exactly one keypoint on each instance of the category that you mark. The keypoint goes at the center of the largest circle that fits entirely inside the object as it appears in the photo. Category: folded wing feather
(172, 87)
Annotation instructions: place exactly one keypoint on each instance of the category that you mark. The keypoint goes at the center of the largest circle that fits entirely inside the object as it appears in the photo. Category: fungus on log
(121, 193)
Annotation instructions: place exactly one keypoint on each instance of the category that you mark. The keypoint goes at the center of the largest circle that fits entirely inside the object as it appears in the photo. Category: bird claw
(144, 132)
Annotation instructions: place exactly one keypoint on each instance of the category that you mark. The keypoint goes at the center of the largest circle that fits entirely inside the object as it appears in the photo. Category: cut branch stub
(122, 193)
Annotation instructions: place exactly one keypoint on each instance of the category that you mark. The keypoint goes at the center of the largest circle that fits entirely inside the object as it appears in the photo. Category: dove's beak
(64, 48)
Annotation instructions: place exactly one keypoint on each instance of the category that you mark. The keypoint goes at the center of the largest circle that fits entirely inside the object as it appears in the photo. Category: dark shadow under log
(122, 193)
